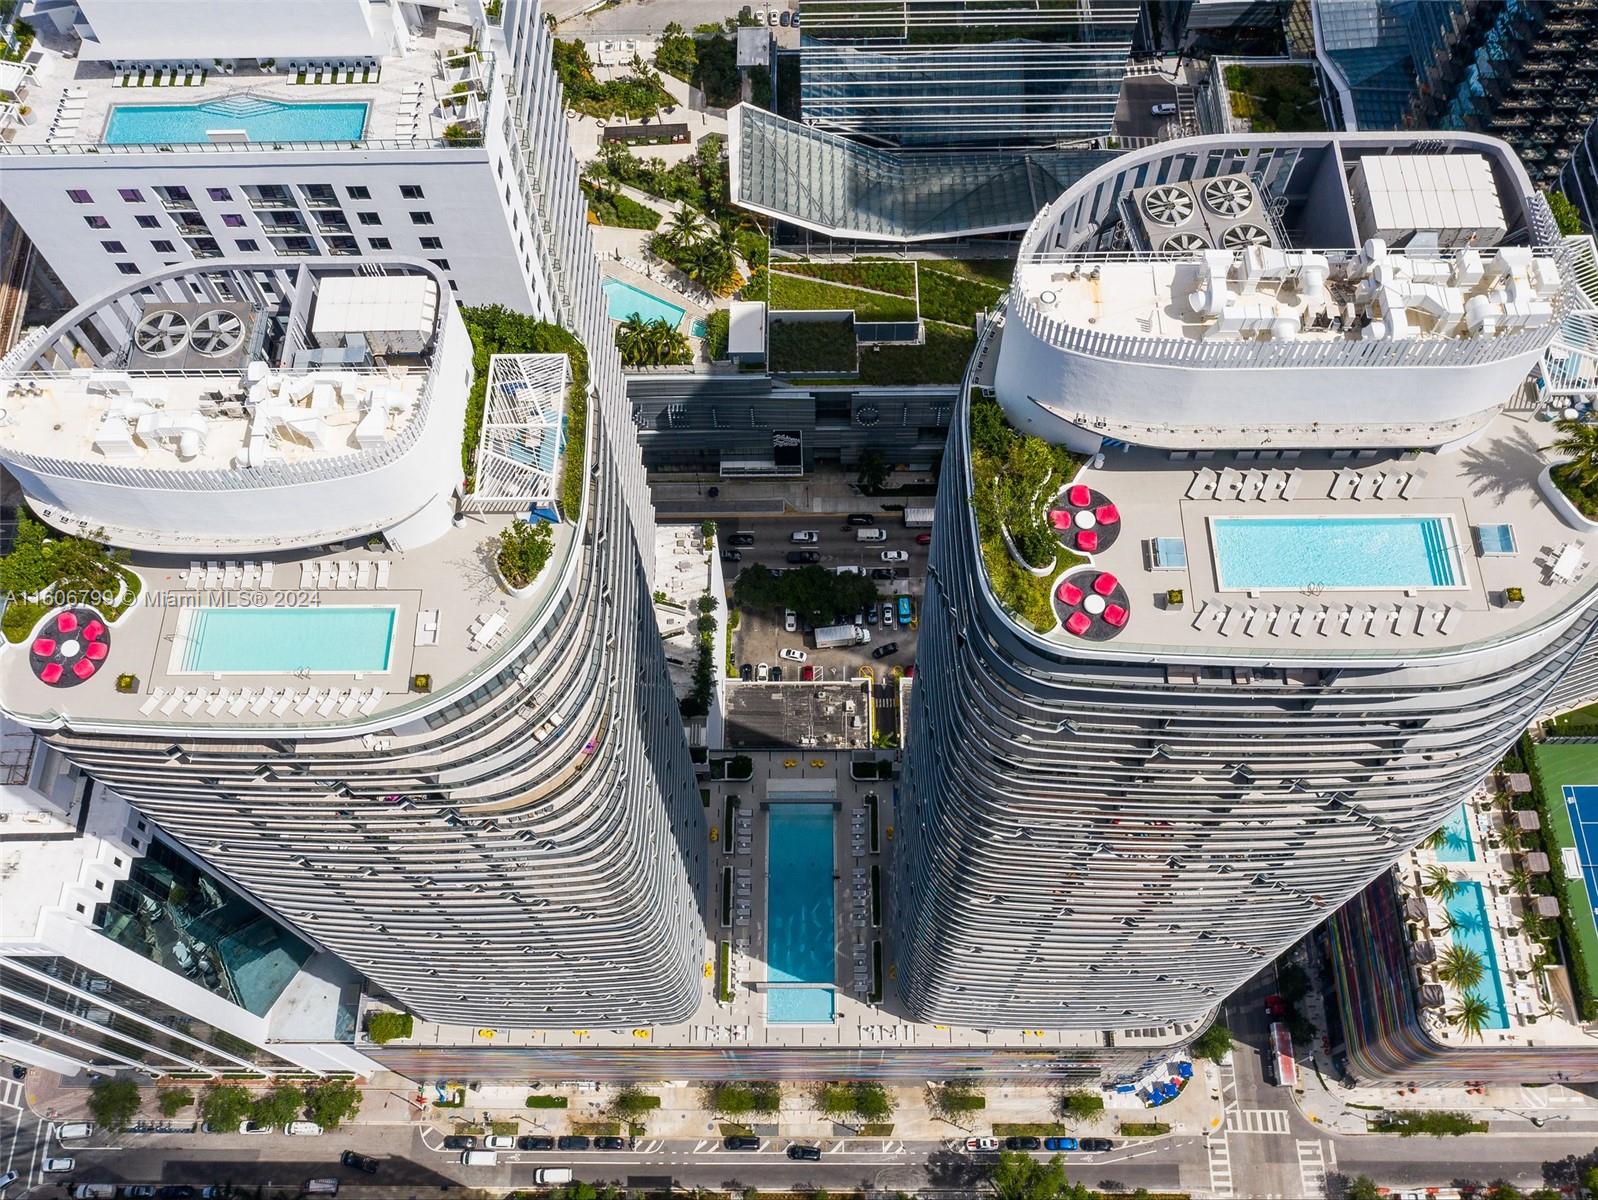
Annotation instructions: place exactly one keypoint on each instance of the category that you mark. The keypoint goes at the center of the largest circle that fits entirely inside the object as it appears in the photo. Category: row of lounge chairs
(1377, 485)
(1230, 484)
(68, 114)
(162, 75)
(325, 702)
(409, 121)
(330, 574)
(333, 72)
(1294, 620)
(229, 576)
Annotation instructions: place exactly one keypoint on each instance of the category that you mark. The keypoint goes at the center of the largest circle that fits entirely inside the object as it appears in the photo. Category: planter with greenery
(1174, 598)
(537, 1101)
(385, 1027)
(724, 972)
(610, 207)
(716, 328)
(521, 550)
(46, 569)
(1514, 597)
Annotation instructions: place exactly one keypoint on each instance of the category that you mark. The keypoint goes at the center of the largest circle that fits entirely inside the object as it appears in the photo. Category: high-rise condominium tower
(1298, 583)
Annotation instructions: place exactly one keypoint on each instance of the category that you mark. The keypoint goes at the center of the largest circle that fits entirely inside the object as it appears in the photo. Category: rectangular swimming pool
(1336, 553)
(261, 120)
(336, 640)
(623, 300)
(1458, 846)
(1469, 910)
(800, 935)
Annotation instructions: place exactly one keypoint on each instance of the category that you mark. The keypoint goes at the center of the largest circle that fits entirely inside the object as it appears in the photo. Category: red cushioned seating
(66, 622)
(1087, 541)
(1115, 615)
(1060, 518)
(95, 651)
(1106, 514)
(1068, 593)
(1079, 623)
(52, 672)
(1105, 584)
(44, 647)
(93, 631)
(1079, 495)
(83, 668)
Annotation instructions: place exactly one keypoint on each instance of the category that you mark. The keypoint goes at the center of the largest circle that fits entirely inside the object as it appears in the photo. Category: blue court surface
(1582, 804)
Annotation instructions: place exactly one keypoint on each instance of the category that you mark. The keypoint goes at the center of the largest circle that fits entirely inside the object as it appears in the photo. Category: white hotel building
(1331, 586)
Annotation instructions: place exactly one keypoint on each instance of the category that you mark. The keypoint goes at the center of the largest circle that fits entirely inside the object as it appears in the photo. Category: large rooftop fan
(217, 332)
(1168, 205)
(1184, 243)
(1245, 234)
(1228, 196)
(161, 333)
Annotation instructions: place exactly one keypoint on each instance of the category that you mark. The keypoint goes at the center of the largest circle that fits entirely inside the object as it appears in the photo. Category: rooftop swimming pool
(623, 300)
(800, 934)
(344, 639)
(1458, 846)
(261, 120)
(1329, 553)
(1469, 910)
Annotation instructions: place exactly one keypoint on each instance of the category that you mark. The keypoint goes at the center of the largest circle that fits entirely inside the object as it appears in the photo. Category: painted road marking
(1259, 1120)
(1312, 1168)
(1220, 1157)
(10, 1094)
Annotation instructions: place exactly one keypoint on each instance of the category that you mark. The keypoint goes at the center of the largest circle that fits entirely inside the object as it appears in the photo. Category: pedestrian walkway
(1259, 1120)
(1312, 1168)
(1220, 1156)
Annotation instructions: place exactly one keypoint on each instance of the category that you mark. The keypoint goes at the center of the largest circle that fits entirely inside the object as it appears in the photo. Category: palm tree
(684, 230)
(1470, 1015)
(711, 265)
(1436, 839)
(632, 339)
(1440, 885)
(1580, 441)
(1461, 966)
(1520, 880)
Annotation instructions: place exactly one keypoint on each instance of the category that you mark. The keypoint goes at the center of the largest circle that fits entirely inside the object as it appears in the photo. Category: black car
(776, 674)
(1096, 1145)
(741, 1143)
(732, 556)
(610, 1143)
(803, 556)
(535, 1143)
(746, 672)
(1023, 1143)
(885, 649)
(882, 572)
(742, 539)
(176, 1191)
(807, 1153)
(862, 519)
(573, 1141)
(460, 1142)
(360, 1162)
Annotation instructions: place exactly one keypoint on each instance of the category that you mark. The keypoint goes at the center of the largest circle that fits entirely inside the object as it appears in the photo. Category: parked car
(73, 1131)
(790, 620)
(807, 673)
(59, 1166)
(499, 1142)
(742, 539)
(1096, 1145)
(572, 1141)
(1166, 108)
(1059, 1143)
(805, 537)
(796, 17)
(763, 672)
(923, 539)
(862, 519)
(139, 1191)
(982, 1143)
(791, 654)
(803, 557)
(1023, 1143)
(305, 1129)
(905, 611)
(771, 17)
(7, 1180)
(1275, 1006)
(895, 556)
(252, 1127)
(871, 615)
(805, 1153)
(610, 1143)
(882, 572)
(785, 17)
(887, 612)
(463, 1141)
(535, 1143)
(732, 556)
(776, 674)
(360, 1162)
(885, 649)
(746, 672)
(741, 1143)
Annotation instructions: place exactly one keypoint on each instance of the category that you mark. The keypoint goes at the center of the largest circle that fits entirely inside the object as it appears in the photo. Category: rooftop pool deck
(800, 912)
(1468, 907)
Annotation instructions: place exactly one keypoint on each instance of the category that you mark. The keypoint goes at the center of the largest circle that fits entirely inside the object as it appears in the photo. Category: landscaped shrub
(950, 298)
(875, 274)
(536, 1101)
(716, 325)
(811, 346)
(798, 293)
(521, 550)
(384, 1027)
(708, 62)
(611, 207)
(941, 358)
(81, 571)
(1276, 99)
(634, 96)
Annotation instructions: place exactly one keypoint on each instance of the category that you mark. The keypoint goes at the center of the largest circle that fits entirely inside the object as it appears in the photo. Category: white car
(791, 654)
(982, 1143)
(762, 672)
(772, 16)
(499, 1142)
(895, 556)
(1167, 109)
(805, 537)
(790, 620)
(252, 1127)
(303, 1129)
(7, 1180)
(59, 1166)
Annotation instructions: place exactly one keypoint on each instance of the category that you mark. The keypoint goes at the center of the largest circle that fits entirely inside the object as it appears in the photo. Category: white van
(321, 1187)
(93, 1191)
(303, 1129)
(552, 1175)
(871, 535)
(479, 1158)
(73, 1130)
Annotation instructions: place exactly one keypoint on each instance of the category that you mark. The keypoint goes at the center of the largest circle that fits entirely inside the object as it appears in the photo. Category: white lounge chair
(1343, 484)
(308, 701)
(1382, 621)
(1365, 489)
(1230, 620)
(1256, 620)
(267, 570)
(282, 703)
(1252, 486)
(1450, 618)
(307, 576)
(260, 703)
(1202, 613)
(1290, 488)
(383, 566)
(1359, 618)
(240, 702)
(1413, 484)
(363, 574)
(373, 698)
(347, 705)
(152, 701)
(328, 704)
(218, 702)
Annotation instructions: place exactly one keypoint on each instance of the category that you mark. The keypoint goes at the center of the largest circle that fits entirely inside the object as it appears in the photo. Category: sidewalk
(823, 491)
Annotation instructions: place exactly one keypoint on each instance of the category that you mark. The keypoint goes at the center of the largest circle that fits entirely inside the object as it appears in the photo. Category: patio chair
(1105, 583)
(1068, 593)
(1060, 518)
(1252, 486)
(1256, 619)
(240, 702)
(1079, 495)
(260, 704)
(1332, 622)
(1078, 623)
(1450, 618)
(1107, 514)
(1115, 615)
(308, 701)
(1230, 620)
(171, 703)
(1359, 618)
(218, 702)
(195, 699)
(152, 701)
(383, 566)
(1087, 540)
(1381, 620)
(329, 702)
(1290, 488)
(307, 576)
(1203, 485)
(1229, 484)
(267, 569)
(363, 574)
(1203, 614)
(1413, 483)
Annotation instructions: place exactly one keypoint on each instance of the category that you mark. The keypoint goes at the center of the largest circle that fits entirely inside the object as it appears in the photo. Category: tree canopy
(1019, 1176)
(114, 1103)
(332, 1102)
(813, 592)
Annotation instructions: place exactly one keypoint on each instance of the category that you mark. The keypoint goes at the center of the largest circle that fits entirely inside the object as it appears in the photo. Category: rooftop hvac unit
(161, 332)
(1245, 234)
(217, 333)
(1228, 196)
(1169, 204)
(1184, 243)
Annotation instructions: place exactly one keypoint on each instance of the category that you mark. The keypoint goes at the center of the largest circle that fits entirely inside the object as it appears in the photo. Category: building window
(441, 263)
(233, 220)
(421, 218)
(359, 193)
(248, 245)
(98, 222)
(79, 196)
(432, 243)
(128, 268)
(410, 191)
(113, 247)
(162, 247)
(99, 885)
(369, 218)
(148, 221)
(380, 244)
(219, 193)
(131, 195)
(80, 908)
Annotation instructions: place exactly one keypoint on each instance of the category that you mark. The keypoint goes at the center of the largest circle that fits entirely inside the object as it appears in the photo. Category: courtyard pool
(623, 300)
(1459, 847)
(261, 120)
(1469, 909)
(799, 913)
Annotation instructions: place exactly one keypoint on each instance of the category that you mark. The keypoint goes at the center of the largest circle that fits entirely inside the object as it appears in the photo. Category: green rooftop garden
(1284, 98)
(47, 569)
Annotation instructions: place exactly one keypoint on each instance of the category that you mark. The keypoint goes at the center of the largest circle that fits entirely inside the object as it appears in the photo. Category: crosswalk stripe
(1220, 1162)
(1259, 1120)
(1312, 1168)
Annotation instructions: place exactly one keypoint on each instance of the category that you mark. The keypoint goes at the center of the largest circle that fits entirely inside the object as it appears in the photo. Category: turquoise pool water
(799, 912)
(1469, 909)
(262, 120)
(1459, 847)
(698, 328)
(623, 300)
(1276, 553)
(281, 641)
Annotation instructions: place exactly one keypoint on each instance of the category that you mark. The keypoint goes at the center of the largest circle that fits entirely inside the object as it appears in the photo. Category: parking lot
(759, 637)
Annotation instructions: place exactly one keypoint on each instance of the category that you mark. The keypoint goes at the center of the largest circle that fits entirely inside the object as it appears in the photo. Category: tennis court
(1568, 774)
(1582, 805)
